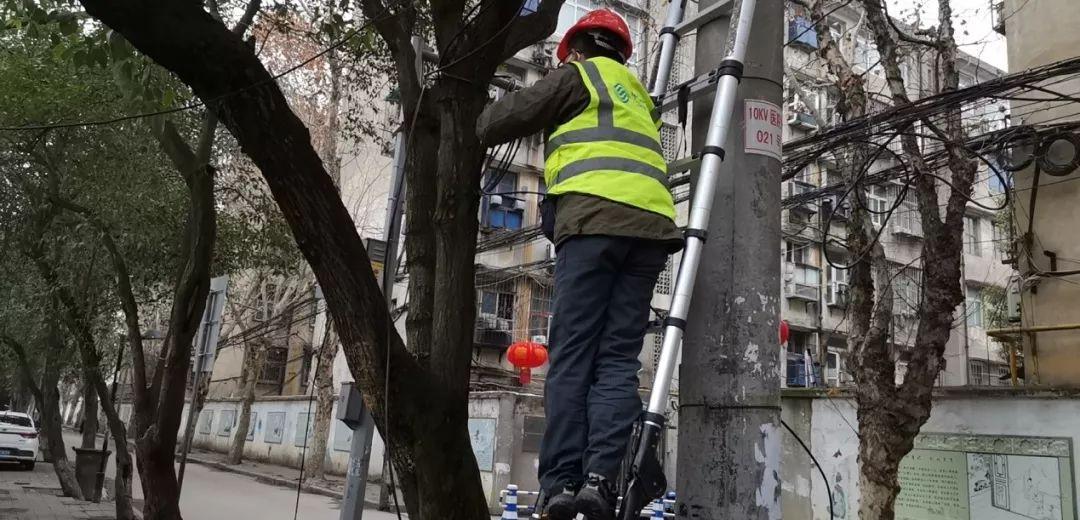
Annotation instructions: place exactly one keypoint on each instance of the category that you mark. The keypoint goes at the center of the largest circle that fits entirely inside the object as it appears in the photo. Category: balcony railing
(493, 332)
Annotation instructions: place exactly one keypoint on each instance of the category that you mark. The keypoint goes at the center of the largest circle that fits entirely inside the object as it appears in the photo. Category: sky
(973, 22)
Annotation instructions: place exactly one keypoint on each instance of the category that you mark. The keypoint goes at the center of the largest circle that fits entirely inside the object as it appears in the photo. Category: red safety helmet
(599, 19)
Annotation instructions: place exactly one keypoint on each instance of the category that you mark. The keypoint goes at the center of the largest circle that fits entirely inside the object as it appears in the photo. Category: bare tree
(264, 320)
(890, 415)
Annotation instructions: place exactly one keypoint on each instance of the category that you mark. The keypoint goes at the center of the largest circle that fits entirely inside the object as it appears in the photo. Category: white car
(18, 439)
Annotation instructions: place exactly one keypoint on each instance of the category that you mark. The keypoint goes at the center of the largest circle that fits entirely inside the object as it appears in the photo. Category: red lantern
(526, 355)
(785, 332)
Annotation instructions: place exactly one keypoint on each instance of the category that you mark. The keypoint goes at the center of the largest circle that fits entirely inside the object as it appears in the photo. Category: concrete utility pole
(729, 416)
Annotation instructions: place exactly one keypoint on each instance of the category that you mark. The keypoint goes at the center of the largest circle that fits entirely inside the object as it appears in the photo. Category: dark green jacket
(555, 99)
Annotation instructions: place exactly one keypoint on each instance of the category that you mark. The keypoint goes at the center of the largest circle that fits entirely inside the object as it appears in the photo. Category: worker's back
(611, 149)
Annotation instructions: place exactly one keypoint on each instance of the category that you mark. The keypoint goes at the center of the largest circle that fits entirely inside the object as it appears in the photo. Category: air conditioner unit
(519, 204)
(549, 251)
(802, 121)
(838, 296)
(495, 200)
(504, 324)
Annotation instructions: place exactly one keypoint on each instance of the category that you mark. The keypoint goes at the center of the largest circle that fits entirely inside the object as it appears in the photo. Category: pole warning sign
(764, 130)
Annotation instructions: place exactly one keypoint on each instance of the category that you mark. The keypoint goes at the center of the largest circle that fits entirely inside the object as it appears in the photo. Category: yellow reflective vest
(612, 148)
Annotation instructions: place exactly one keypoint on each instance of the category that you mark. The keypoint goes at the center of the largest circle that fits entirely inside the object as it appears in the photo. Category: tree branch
(247, 18)
(124, 291)
(175, 147)
(532, 28)
(24, 366)
(902, 34)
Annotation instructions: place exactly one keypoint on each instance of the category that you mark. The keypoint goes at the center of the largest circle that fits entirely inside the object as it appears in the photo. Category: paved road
(209, 494)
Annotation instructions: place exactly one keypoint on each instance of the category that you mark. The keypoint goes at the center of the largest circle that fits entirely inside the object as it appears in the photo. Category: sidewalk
(333, 486)
(35, 495)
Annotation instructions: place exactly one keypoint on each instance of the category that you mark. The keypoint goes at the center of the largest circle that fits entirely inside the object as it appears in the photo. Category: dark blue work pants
(603, 287)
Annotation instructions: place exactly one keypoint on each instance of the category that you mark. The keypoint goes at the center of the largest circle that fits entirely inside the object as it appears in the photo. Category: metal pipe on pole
(729, 416)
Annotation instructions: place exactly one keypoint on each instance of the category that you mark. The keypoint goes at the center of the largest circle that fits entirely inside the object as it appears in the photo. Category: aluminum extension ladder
(646, 480)
(646, 476)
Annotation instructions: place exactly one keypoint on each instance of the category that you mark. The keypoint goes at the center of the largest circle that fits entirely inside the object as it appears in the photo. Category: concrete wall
(497, 425)
(278, 433)
(1042, 33)
(828, 425)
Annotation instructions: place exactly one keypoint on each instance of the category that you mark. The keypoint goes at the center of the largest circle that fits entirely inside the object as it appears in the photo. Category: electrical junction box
(1012, 300)
(350, 408)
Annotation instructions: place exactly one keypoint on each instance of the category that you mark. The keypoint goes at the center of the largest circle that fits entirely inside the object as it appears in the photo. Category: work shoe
(597, 499)
(560, 503)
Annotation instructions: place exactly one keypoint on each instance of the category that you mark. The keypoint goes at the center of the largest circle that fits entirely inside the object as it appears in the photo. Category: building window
(867, 56)
(997, 184)
(974, 307)
(504, 208)
(833, 368)
(540, 312)
(264, 304)
(532, 432)
(801, 31)
(273, 370)
(907, 291)
(977, 373)
(837, 290)
(497, 304)
(572, 11)
(877, 204)
(972, 246)
(798, 254)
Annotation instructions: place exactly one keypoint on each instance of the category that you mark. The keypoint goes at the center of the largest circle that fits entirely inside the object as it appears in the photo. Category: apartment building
(1048, 253)
(815, 286)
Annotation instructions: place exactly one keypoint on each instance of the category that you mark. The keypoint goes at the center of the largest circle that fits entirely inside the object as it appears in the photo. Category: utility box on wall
(350, 408)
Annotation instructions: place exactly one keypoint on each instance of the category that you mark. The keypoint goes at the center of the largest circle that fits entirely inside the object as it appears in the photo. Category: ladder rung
(683, 164)
(699, 87)
(721, 8)
(678, 180)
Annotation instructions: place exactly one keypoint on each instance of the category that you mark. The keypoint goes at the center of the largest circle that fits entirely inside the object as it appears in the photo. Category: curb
(276, 481)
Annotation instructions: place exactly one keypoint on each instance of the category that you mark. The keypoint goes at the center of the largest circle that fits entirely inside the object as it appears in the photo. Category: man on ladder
(611, 216)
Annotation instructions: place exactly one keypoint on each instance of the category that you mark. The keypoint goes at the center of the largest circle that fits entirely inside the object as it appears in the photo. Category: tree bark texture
(889, 415)
(426, 432)
(254, 357)
(315, 467)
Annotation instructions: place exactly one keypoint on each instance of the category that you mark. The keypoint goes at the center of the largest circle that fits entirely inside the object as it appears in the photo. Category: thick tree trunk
(51, 421)
(254, 356)
(315, 468)
(89, 428)
(53, 429)
(47, 396)
(156, 446)
(124, 467)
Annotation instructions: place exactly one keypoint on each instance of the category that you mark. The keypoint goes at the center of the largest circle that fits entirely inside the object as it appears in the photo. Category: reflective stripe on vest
(612, 148)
